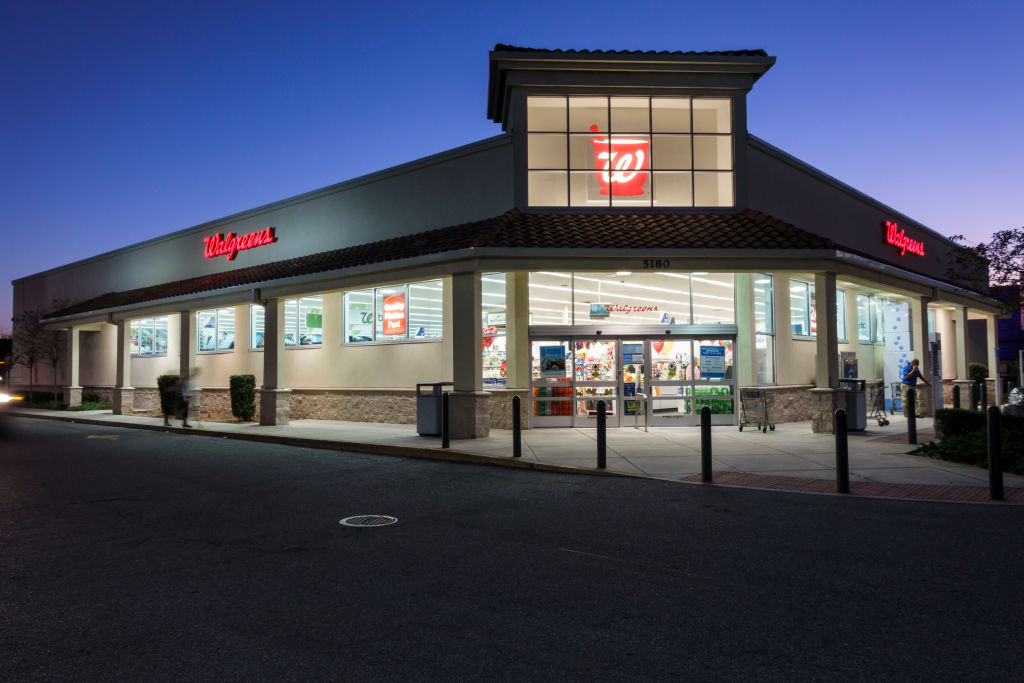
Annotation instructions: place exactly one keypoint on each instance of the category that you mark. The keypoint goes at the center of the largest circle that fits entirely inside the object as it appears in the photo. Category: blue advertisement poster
(552, 361)
(712, 362)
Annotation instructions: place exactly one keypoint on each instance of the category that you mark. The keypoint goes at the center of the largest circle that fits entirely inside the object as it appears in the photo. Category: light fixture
(699, 272)
(623, 272)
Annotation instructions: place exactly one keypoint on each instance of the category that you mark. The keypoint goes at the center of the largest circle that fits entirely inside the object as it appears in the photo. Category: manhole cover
(369, 520)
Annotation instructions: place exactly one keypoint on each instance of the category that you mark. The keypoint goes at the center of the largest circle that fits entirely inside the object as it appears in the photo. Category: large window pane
(671, 152)
(712, 189)
(310, 320)
(133, 342)
(799, 308)
(670, 114)
(547, 188)
(546, 113)
(551, 298)
(712, 152)
(160, 335)
(225, 329)
(291, 322)
(864, 318)
(426, 309)
(764, 348)
(359, 316)
(841, 315)
(713, 298)
(585, 112)
(712, 115)
(256, 326)
(146, 336)
(673, 189)
(764, 307)
(630, 115)
(545, 151)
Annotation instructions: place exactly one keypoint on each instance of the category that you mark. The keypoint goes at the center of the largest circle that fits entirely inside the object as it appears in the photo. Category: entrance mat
(969, 494)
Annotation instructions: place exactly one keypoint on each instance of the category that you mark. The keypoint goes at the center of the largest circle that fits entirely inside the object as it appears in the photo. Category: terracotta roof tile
(512, 230)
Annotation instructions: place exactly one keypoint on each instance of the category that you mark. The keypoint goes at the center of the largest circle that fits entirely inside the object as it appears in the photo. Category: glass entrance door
(595, 378)
(551, 383)
(714, 380)
(634, 374)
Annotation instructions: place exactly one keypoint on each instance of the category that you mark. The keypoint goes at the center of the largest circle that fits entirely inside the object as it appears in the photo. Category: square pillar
(826, 368)
(470, 416)
(960, 321)
(124, 392)
(73, 391)
(992, 337)
(274, 397)
(187, 368)
(923, 351)
(517, 329)
(745, 359)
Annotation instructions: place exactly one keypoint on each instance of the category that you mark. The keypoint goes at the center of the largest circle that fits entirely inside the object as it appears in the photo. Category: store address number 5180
(655, 263)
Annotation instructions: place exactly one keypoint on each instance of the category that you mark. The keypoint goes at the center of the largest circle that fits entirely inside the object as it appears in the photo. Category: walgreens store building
(624, 235)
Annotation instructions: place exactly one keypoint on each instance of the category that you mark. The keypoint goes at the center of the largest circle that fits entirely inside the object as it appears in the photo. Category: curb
(447, 455)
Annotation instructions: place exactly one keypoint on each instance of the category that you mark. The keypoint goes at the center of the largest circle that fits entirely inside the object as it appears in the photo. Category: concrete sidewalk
(790, 457)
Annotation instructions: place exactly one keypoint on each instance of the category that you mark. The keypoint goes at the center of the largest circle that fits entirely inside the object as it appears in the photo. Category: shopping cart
(754, 409)
(878, 405)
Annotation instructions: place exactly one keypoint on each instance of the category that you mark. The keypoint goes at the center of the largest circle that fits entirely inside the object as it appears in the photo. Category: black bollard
(983, 390)
(995, 456)
(445, 442)
(974, 396)
(705, 444)
(602, 456)
(956, 397)
(517, 432)
(911, 415)
(842, 452)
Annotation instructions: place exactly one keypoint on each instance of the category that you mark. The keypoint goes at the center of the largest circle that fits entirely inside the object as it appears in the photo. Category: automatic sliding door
(714, 380)
(551, 383)
(671, 402)
(595, 378)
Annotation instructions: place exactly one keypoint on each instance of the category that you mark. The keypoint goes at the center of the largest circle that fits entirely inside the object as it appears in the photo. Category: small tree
(54, 344)
(996, 266)
(28, 348)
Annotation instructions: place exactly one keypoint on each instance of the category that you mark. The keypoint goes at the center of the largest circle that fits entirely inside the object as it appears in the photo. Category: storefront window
(627, 298)
(303, 323)
(148, 337)
(493, 312)
(764, 328)
(406, 312)
(215, 330)
(879, 331)
(629, 151)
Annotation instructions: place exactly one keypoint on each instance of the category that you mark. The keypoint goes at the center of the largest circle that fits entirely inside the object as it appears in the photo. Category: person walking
(171, 406)
(184, 396)
(910, 377)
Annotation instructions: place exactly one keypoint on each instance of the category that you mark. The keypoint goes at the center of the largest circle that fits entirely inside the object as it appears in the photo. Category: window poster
(394, 314)
(552, 361)
(712, 362)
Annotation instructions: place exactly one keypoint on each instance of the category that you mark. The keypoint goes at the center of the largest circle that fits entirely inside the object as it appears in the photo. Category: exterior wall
(403, 200)
(792, 191)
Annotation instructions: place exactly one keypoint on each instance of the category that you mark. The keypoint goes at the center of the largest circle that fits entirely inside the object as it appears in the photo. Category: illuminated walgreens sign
(232, 243)
(621, 164)
(897, 237)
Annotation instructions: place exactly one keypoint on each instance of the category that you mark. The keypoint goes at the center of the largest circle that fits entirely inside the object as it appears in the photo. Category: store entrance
(677, 375)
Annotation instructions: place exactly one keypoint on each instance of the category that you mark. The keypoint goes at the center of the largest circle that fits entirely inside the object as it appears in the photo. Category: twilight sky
(122, 121)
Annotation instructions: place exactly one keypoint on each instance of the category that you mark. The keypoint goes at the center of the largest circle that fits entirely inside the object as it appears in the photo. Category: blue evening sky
(122, 121)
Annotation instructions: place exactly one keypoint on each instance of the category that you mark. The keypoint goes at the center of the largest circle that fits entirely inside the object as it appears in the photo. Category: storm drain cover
(369, 520)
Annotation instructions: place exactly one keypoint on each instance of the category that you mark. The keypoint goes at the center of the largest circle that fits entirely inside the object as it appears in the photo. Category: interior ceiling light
(623, 272)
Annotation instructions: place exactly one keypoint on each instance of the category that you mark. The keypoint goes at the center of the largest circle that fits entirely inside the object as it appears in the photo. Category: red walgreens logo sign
(622, 164)
(897, 237)
(232, 243)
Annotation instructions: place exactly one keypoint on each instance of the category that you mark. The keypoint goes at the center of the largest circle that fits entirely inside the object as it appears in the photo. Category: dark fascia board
(503, 61)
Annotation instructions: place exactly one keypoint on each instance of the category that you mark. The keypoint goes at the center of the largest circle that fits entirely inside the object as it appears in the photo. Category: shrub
(964, 438)
(978, 372)
(243, 397)
(91, 405)
(166, 385)
(91, 397)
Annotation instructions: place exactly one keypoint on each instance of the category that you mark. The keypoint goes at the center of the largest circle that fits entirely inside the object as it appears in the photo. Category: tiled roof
(712, 53)
(514, 229)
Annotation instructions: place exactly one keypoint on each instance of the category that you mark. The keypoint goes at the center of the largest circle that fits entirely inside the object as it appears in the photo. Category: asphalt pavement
(130, 554)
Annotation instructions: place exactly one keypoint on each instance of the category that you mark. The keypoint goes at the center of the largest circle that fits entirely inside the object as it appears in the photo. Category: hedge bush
(243, 397)
(964, 438)
(978, 372)
(91, 397)
(166, 384)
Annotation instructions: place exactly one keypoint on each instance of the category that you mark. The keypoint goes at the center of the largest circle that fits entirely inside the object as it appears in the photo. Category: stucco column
(470, 417)
(187, 361)
(517, 341)
(826, 395)
(744, 359)
(961, 343)
(924, 354)
(73, 391)
(274, 397)
(992, 337)
(124, 392)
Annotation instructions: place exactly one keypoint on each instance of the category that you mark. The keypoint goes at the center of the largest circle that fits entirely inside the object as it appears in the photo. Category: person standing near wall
(910, 377)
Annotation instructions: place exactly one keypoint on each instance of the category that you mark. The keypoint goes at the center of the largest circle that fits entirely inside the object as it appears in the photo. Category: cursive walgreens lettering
(231, 244)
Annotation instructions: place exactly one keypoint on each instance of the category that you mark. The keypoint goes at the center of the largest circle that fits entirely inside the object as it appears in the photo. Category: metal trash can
(428, 407)
(856, 404)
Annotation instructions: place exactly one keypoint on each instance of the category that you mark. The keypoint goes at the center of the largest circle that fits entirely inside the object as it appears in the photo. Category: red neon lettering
(897, 237)
(231, 243)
